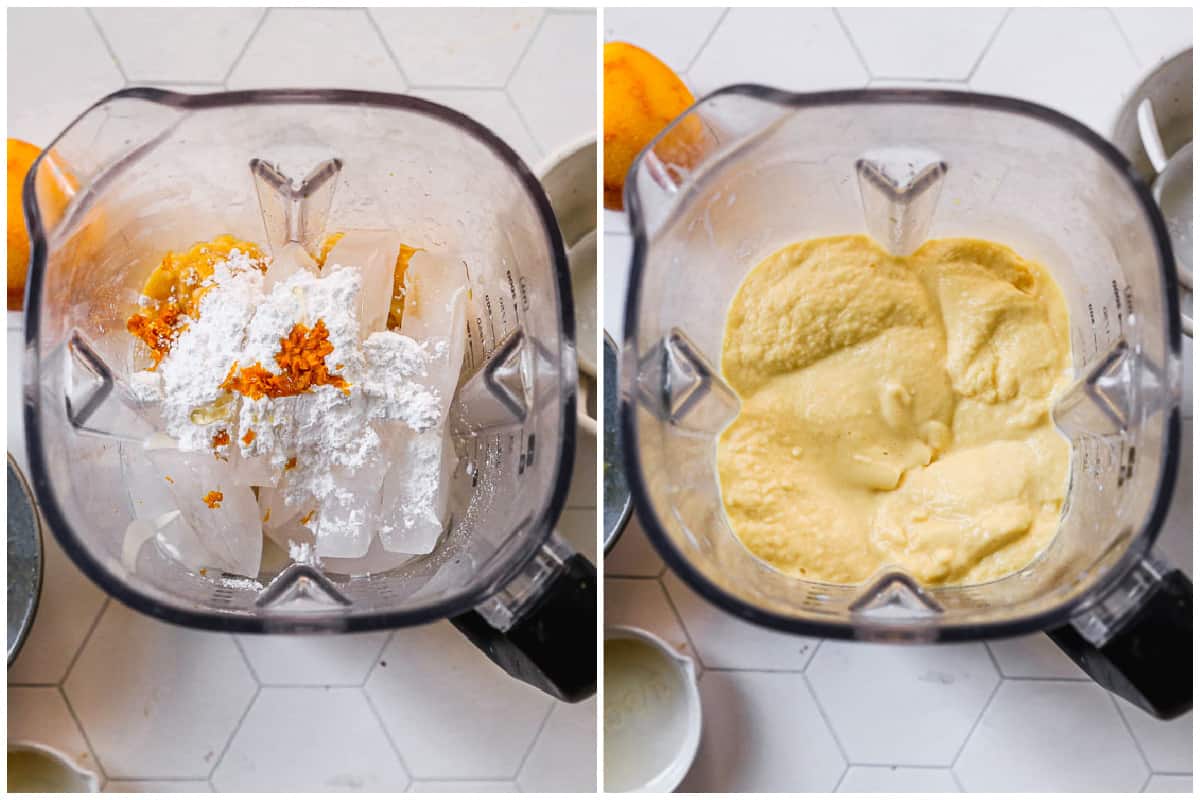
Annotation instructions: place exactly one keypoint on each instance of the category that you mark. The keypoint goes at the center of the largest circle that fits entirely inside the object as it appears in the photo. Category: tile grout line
(387, 734)
(516, 778)
(995, 661)
(842, 778)
(704, 44)
(987, 46)
(387, 48)
(812, 693)
(1124, 36)
(83, 732)
(107, 45)
(524, 122)
(975, 725)
(862, 59)
(813, 657)
(525, 51)
(86, 638)
(387, 640)
(682, 625)
(1129, 730)
(246, 46)
(246, 659)
(233, 734)
(378, 658)
(512, 101)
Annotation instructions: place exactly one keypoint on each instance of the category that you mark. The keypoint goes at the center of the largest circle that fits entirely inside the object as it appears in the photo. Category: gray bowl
(24, 559)
(617, 502)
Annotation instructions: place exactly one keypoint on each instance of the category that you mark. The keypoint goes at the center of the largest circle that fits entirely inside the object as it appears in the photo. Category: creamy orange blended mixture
(895, 410)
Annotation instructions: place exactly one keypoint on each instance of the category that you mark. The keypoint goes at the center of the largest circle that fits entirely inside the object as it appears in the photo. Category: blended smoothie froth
(895, 410)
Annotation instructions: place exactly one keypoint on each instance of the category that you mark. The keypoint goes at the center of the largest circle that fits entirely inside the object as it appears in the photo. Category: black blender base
(552, 647)
(1149, 663)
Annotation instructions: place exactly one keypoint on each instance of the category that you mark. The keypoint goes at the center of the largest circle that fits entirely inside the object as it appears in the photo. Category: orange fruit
(55, 189)
(641, 96)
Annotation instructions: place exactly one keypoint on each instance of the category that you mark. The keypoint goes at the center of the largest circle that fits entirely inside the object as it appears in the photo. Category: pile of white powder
(322, 455)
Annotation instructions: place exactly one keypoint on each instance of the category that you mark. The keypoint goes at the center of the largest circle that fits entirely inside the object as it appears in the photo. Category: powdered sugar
(194, 406)
(321, 446)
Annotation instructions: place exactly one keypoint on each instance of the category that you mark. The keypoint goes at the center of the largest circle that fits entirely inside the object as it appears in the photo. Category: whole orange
(641, 96)
(55, 189)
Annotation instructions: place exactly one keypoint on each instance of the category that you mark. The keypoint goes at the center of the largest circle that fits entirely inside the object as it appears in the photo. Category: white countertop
(159, 708)
(787, 713)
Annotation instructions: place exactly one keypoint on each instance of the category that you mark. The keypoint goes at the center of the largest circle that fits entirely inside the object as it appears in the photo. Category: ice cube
(373, 253)
(287, 262)
(435, 311)
(223, 514)
(348, 516)
(376, 561)
(415, 492)
(252, 470)
(157, 512)
(292, 532)
(137, 533)
(276, 513)
(431, 287)
(177, 539)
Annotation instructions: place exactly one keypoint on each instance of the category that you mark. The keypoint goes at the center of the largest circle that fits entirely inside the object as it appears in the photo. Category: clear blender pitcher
(154, 171)
(748, 170)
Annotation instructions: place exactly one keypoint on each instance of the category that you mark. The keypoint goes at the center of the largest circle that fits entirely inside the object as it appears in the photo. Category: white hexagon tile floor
(786, 713)
(156, 708)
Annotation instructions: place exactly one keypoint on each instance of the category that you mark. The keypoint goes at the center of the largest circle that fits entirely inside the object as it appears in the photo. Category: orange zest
(175, 289)
(327, 245)
(249, 437)
(305, 519)
(396, 305)
(220, 438)
(213, 499)
(301, 359)
(169, 479)
(291, 464)
(158, 327)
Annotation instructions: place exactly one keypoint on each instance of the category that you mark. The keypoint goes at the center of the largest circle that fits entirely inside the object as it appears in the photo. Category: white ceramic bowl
(569, 178)
(46, 769)
(652, 716)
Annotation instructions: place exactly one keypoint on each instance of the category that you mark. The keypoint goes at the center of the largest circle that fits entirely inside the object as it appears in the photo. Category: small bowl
(652, 717)
(25, 560)
(46, 769)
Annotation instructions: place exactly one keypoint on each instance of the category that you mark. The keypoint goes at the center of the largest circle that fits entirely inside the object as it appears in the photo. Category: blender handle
(551, 644)
(1149, 660)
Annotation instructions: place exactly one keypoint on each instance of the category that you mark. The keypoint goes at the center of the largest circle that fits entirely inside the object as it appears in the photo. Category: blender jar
(748, 170)
(155, 171)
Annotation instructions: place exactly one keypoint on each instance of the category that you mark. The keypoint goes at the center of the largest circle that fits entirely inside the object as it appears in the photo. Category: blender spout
(900, 190)
(291, 211)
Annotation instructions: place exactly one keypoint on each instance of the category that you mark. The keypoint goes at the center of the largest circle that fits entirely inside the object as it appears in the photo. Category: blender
(749, 169)
(155, 171)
